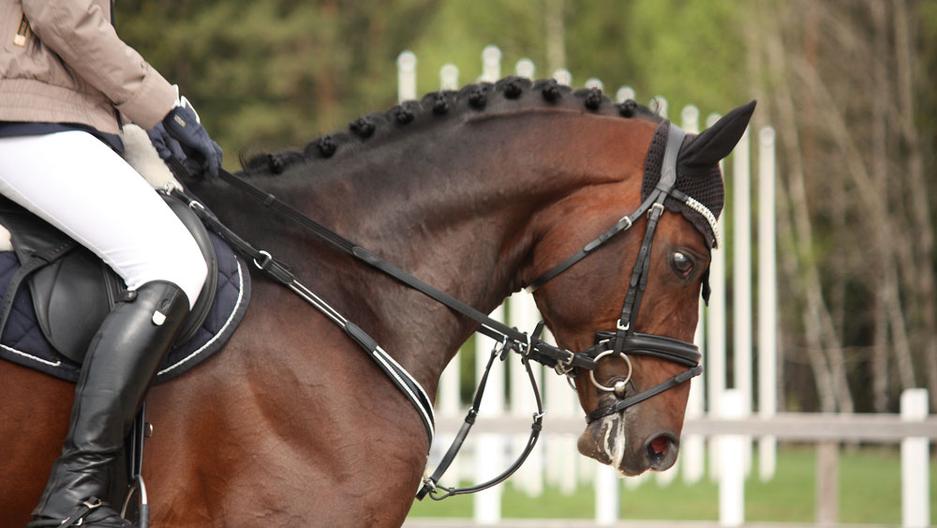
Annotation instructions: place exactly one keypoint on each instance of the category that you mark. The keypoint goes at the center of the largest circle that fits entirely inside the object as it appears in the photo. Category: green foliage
(275, 73)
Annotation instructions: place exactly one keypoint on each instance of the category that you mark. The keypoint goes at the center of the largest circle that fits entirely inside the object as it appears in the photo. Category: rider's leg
(78, 184)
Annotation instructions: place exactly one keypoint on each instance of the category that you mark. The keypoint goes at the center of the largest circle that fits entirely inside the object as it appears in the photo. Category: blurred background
(848, 87)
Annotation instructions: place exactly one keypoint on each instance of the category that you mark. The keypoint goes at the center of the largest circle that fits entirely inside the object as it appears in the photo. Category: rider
(66, 83)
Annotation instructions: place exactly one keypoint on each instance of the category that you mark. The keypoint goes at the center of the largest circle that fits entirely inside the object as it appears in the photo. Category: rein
(530, 347)
(622, 342)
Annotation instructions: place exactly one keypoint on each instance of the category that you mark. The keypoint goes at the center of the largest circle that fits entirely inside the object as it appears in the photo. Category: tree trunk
(920, 208)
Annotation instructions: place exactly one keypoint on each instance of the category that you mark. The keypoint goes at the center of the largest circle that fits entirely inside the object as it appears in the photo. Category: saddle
(54, 294)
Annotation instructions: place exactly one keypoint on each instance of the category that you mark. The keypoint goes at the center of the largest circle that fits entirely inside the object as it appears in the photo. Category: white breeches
(78, 184)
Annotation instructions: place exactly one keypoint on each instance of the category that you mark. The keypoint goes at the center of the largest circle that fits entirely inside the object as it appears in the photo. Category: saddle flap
(71, 297)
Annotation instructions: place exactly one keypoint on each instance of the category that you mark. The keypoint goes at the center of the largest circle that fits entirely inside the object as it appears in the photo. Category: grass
(869, 492)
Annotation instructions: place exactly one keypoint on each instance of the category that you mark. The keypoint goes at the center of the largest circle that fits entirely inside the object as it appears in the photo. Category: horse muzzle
(611, 441)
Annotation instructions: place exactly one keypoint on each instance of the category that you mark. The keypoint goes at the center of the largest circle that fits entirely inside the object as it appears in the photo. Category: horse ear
(717, 141)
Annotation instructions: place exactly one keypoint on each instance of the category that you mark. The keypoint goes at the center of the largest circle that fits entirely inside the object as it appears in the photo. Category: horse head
(660, 292)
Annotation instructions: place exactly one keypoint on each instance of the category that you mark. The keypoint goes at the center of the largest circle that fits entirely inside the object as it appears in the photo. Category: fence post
(607, 495)
(732, 462)
(742, 277)
(827, 478)
(716, 330)
(406, 76)
(449, 77)
(915, 484)
(561, 402)
(450, 382)
(693, 448)
(563, 76)
(489, 451)
(767, 302)
(525, 68)
(523, 314)
(491, 64)
(624, 93)
(592, 82)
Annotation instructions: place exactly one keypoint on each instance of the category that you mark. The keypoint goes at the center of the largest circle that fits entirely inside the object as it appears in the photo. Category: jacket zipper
(22, 33)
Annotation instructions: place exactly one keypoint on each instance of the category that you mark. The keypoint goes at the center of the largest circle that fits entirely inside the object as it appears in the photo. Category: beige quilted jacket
(62, 62)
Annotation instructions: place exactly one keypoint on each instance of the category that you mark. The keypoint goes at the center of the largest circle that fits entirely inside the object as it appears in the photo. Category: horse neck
(454, 207)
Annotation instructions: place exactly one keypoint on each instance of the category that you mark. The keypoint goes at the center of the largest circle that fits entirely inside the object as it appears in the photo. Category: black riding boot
(120, 365)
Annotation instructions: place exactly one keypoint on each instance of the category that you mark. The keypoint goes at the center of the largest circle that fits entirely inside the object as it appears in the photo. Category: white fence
(711, 399)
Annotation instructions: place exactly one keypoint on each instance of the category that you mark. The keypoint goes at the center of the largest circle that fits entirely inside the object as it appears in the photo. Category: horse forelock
(441, 109)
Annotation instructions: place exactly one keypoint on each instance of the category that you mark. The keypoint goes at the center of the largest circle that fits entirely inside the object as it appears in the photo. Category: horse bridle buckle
(267, 258)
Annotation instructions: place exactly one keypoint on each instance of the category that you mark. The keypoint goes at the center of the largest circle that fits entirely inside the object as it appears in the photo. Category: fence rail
(799, 427)
(913, 429)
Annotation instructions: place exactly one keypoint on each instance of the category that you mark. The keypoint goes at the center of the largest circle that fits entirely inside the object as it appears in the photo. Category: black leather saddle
(72, 290)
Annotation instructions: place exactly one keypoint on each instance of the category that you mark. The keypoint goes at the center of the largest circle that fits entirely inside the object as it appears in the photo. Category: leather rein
(621, 342)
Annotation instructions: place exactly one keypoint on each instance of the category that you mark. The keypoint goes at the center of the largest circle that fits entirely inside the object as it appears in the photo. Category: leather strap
(636, 343)
(431, 485)
(278, 271)
(631, 401)
(675, 137)
(539, 350)
(620, 226)
(77, 517)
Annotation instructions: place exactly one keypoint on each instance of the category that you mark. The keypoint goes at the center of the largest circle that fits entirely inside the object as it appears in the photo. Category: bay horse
(477, 193)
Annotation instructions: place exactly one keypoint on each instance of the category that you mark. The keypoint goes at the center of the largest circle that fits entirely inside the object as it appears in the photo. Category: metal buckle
(194, 204)
(563, 368)
(623, 328)
(658, 206)
(430, 483)
(266, 261)
(91, 504)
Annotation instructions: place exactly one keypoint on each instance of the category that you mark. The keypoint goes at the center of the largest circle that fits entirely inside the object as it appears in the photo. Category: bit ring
(618, 387)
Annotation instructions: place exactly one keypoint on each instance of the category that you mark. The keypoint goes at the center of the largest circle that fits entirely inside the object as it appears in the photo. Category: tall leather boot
(120, 365)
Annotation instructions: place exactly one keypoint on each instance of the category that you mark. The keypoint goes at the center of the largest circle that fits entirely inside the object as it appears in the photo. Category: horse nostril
(659, 446)
(661, 451)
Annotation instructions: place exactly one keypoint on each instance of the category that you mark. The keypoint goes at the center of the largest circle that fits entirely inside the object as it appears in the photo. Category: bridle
(624, 341)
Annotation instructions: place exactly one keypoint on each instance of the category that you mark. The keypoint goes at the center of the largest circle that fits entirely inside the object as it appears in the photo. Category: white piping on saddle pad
(141, 155)
(220, 332)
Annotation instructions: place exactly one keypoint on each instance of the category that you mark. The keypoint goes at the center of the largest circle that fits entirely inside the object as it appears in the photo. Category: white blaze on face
(613, 438)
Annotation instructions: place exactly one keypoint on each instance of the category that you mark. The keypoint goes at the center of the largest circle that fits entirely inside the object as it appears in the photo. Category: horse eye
(682, 263)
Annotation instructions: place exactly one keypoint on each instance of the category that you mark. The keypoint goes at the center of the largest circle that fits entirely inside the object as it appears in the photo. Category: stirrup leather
(77, 517)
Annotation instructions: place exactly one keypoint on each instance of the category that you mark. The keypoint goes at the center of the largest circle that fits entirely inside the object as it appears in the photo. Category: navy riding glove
(169, 150)
(182, 124)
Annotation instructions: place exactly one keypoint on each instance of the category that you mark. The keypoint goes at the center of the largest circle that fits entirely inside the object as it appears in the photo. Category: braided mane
(504, 94)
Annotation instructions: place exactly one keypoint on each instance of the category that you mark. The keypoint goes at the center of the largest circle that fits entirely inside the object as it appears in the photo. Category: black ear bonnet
(698, 174)
(705, 187)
